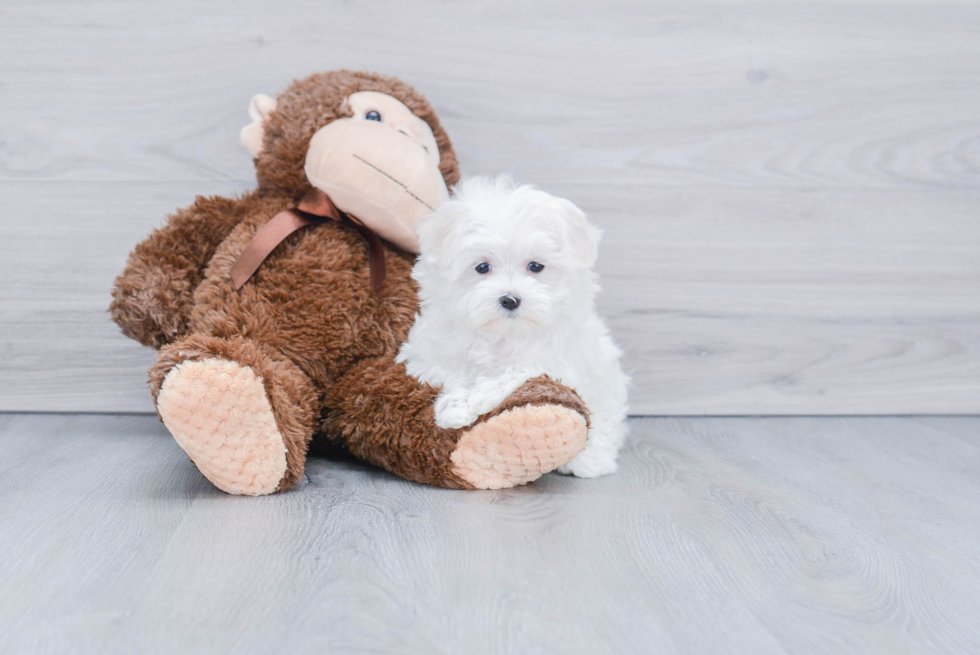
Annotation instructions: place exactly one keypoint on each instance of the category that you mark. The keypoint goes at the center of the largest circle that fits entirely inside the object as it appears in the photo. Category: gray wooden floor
(742, 535)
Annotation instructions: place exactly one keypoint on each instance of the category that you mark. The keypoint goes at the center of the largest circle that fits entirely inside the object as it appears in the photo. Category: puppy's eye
(535, 267)
(373, 116)
(483, 268)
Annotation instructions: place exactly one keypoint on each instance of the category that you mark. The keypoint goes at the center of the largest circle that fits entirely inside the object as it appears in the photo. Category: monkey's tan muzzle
(386, 177)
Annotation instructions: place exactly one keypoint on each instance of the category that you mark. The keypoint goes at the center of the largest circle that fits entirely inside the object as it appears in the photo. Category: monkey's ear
(258, 109)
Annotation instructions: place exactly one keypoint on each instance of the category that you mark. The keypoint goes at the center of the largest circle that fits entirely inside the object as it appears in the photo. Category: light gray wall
(789, 191)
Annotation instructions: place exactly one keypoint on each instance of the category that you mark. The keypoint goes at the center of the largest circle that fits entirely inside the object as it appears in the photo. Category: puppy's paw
(486, 398)
(453, 411)
(590, 464)
(488, 392)
(479, 406)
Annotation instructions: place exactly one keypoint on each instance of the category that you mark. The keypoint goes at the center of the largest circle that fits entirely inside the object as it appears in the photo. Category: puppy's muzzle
(510, 302)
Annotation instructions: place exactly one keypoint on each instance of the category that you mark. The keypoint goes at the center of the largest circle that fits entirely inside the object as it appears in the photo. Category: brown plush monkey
(301, 343)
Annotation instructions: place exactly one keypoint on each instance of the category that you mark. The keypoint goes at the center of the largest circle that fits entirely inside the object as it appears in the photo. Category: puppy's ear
(581, 237)
(252, 134)
(437, 233)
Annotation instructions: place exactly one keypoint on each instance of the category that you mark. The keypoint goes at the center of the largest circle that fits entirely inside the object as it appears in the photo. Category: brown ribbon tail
(318, 203)
(264, 242)
(379, 268)
(315, 203)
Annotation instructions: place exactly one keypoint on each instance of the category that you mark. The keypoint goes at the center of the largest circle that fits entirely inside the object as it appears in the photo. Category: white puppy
(507, 294)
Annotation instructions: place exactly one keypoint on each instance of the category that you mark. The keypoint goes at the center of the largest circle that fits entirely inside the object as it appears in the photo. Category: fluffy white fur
(467, 342)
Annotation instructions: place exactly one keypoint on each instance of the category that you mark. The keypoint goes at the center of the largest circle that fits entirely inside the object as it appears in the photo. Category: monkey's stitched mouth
(407, 190)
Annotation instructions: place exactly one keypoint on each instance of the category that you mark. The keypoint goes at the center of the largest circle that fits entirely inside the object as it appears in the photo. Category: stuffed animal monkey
(278, 314)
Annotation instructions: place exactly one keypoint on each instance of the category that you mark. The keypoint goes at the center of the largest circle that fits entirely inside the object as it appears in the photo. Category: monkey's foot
(521, 443)
(219, 413)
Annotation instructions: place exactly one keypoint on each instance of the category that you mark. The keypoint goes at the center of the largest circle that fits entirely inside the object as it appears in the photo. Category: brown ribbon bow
(314, 206)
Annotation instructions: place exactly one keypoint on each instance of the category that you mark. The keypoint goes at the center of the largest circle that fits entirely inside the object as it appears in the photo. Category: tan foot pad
(518, 446)
(219, 414)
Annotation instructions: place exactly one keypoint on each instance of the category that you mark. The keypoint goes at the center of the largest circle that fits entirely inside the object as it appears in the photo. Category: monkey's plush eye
(373, 116)
(535, 267)
(483, 268)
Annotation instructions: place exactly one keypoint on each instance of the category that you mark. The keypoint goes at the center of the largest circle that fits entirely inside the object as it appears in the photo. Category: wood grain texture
(725, 535)
(789, 191)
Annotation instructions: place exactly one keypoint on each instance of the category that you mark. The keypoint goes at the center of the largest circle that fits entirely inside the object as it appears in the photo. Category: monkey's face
(374, 157)
(380, 165)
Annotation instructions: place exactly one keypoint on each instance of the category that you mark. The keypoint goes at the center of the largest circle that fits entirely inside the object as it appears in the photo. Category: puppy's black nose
(509, 302)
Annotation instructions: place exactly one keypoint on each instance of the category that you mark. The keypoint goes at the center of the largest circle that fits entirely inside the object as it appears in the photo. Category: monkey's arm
(151, 300)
